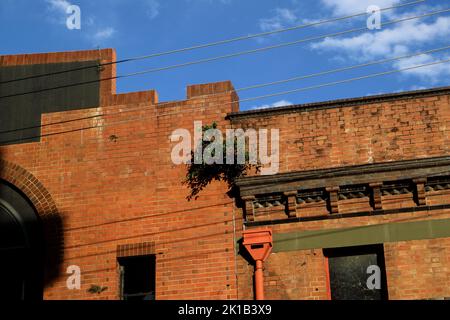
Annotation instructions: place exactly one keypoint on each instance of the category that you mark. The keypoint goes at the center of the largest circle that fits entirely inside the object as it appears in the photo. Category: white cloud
(153, 8)
(59, 5)
(57, 9)
(281, 103)
(348, 7)
(103, 34)
(226, 2)
(416, 87)
(94, 32)
(283, 17)
(431, 73)
(391, 41)
(407, 37)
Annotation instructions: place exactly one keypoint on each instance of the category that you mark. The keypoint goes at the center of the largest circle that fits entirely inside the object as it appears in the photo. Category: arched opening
(21, 247)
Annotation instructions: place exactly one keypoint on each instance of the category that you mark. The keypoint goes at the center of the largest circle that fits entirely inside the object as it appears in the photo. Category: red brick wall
(362, 134)
(418, 269)
(293, 275)
(302, 274)
(116, 185)
(352, 135)
(111, 192)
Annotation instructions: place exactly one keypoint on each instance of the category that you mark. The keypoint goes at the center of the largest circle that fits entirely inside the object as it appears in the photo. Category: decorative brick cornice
(348, 215)
(371, 183)
(343, 176)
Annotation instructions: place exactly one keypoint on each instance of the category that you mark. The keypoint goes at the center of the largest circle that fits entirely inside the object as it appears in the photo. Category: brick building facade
(359, 179)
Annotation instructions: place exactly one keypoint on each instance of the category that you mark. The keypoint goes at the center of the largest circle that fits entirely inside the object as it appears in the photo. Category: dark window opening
(137, 277)
(349, 272)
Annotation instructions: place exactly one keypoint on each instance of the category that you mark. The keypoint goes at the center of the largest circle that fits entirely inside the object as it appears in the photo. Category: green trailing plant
(96, 289)
(199, 175)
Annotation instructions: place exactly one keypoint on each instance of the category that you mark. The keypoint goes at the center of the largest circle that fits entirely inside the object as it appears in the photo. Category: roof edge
(341, 103)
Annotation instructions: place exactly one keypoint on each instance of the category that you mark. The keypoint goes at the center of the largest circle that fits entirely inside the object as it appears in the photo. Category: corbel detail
(333, 199)
(420, 194)
(375, 196)
(249, 208)
(291, 203)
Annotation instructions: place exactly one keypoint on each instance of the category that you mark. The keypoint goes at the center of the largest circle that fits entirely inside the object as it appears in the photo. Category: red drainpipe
(258, 243)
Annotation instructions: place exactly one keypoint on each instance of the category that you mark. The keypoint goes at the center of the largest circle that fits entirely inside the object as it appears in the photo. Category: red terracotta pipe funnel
(258, 243)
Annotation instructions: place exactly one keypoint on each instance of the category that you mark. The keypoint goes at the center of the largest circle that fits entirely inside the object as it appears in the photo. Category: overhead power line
(216, 43)
(242, 100)
(285, 44)
(346, 80)
(256, 86)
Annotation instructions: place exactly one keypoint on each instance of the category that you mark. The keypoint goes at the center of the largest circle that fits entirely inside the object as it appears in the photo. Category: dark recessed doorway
(21, 247)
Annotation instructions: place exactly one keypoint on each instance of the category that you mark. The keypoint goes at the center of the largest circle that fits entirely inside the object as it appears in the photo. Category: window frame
(122, 272)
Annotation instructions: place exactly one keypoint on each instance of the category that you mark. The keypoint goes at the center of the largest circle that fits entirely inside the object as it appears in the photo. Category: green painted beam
(364, 235)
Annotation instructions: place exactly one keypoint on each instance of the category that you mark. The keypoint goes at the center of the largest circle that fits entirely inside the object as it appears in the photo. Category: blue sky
(141, 27)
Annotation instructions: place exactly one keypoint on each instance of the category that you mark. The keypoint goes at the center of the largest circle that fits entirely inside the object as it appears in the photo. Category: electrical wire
(285, 44)
(216, 43)
(256, 86)
(243, 100)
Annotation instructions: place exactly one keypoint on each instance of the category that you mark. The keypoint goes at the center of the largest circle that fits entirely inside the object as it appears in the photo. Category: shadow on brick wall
(52, 226)
(39, 237)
